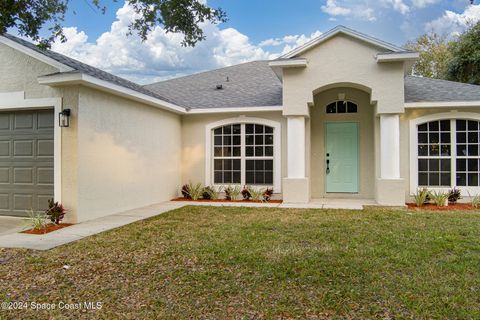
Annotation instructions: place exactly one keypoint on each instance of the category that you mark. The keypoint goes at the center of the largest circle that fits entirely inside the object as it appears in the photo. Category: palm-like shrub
(211, 193)
(440, 198)
(194, 191)
(36, 220)
(421, 197)
(232, 193)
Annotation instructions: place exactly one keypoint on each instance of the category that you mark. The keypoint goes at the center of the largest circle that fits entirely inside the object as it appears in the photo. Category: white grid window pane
(259, 148)
(227, 154)
(434, 154)
(467, 161)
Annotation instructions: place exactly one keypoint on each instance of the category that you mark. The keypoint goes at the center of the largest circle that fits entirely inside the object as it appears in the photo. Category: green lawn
(250, 263)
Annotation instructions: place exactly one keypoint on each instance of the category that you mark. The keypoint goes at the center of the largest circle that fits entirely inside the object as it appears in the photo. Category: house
(337, 117)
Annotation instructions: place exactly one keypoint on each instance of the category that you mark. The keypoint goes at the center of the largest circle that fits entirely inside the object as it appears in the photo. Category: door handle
(328, 166)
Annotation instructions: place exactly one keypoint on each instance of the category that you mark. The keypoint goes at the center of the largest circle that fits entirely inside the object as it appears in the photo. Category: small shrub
(210, 193)
(55, 211)
(232, 193)
(421, 197)
(256, 194)
(440, 198)
(194, 191)
(267, 194)
(36, 220)
(454, 195)
(185, 192)
(246, 193)
(476, 201)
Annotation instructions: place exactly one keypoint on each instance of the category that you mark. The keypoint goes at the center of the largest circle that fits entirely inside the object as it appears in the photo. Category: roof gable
(341, 30)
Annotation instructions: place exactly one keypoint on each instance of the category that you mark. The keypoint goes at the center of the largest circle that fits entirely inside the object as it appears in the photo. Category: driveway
(11, 225)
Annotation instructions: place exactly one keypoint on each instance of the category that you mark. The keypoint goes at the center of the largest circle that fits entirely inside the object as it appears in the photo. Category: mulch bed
(223, 200)
(450, 207)
(49, 228)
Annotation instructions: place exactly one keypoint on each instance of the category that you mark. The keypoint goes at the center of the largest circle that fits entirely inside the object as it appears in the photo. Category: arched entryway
(343, 148)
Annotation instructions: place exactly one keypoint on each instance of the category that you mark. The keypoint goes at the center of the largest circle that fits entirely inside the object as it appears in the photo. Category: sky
(256, 29)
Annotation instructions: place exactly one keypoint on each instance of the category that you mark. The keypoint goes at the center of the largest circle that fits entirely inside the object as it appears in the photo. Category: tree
(434, 56)
(182, 16)
(465, 63)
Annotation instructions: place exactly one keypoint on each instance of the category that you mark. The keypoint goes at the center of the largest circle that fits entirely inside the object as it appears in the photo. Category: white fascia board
(442, 104)
(235, 110)
(396, 57)
(36, 55)
(89, 81)
(333, 32)
(294, 63)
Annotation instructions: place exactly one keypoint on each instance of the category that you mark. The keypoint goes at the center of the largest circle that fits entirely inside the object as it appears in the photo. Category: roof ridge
(206, 71)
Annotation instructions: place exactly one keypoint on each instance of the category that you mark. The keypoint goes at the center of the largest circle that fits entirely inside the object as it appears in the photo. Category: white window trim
(453, 115)
(277, 153)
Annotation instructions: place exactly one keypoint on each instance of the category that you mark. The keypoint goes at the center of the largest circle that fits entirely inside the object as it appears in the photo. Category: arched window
(342, 107)
(244, 151)
(447, 152)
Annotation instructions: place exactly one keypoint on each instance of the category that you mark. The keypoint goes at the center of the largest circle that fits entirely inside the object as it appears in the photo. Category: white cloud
(452, 23)
(400, 6)
(423, 3)
(361, 11)
(161, 56)
(333, 9)
(290, 40)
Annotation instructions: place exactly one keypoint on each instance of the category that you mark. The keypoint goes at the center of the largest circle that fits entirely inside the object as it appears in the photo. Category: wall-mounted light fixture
(64, 118)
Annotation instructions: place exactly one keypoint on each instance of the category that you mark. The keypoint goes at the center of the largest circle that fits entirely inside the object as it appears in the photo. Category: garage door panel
(26, 161)
(45, 176)
(4, 201)
(45, 120)
(5, 148)
(23, 176)
(23, 148)
(4, 175)
(22, 202)
(4, 122)
(44, 148)
(23, 120)
(42, 201)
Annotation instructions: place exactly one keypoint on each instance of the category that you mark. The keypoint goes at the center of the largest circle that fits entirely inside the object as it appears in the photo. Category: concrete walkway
(84, 229)
(13, 239)
(11, 225)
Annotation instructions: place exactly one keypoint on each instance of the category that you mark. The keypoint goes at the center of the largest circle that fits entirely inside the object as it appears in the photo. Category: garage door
(26, 161)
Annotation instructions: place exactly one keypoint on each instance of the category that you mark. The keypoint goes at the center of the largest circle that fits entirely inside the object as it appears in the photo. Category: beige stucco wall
(128, 154)
(193, 141)
(343, 60)
(19, 72)
(365, 118)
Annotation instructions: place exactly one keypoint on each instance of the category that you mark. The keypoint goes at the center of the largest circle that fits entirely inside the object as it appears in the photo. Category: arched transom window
(243, 153)
(342, 107)
(448, 153)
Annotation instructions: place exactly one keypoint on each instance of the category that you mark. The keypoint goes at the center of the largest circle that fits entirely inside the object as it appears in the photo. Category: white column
(296, 147)
(389, 146)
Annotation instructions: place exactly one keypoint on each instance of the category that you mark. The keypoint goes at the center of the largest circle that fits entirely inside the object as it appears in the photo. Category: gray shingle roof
(418, 89)
(250, 84)
(86, 69)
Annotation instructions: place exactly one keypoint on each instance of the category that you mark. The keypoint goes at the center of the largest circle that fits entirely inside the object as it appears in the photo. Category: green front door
(341, 145)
